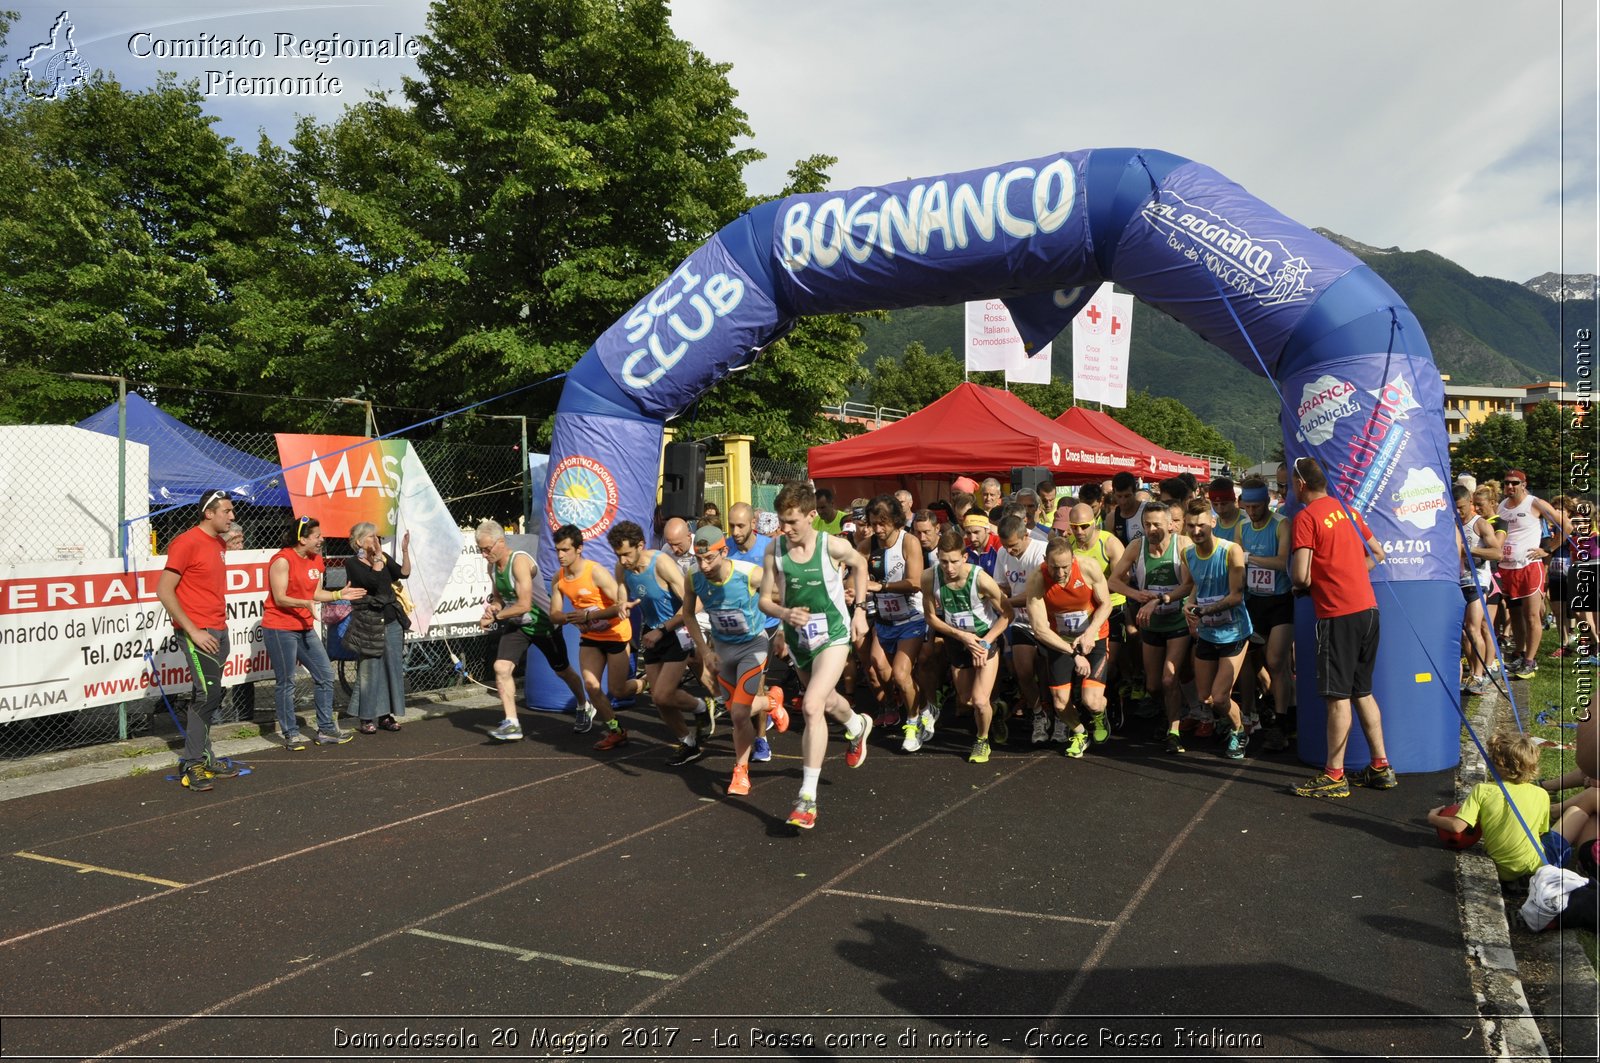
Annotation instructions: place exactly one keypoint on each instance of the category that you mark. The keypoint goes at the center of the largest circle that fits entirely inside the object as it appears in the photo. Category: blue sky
(1466, 127)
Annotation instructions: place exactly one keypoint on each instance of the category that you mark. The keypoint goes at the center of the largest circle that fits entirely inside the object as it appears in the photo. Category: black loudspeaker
(1029, 477)
(683, 480)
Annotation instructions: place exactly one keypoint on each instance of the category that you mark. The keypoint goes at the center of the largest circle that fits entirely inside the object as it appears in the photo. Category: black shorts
(1347, 651)
(957, 656)
(1161, 638)
(1268, 611)
(514, 643)
(1020, 636)
(1116, 627)
(668, 649)
(606, 646)
(1063, 674)
(1218, 651)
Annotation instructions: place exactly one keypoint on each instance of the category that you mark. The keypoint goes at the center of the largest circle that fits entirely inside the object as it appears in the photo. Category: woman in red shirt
(294, 585)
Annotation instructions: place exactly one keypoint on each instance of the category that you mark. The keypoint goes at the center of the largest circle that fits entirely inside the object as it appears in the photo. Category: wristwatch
(985, 644)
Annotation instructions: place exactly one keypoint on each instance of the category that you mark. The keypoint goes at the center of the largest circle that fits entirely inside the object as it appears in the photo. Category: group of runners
(1096, 609)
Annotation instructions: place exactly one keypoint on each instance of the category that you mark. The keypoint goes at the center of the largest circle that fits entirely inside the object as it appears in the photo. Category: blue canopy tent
(185, 462)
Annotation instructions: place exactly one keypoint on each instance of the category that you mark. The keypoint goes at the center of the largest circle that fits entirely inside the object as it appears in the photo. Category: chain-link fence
(83, 512)
(767, 477)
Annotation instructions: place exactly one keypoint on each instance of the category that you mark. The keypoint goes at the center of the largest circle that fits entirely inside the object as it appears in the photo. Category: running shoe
(296, 741)
(612, 740)
(508, 731)
(1374, 778)
(804, 815)
(1041, 729)
(1205, 728)
(1323, 786)
(705, 723)
(685, 754)
(194, 777)
(1101, 732)
(911, 738)
(1174, 743)
(1526, 669)
(999, 728)
(1234, 744)
(1058, 733)
(1273, 740)
(855, 754)
(335, 737)
(739, 785)
(980, 752)
(220, 769)
(776, 713)
(761, 752)
(926, 720)
(1077, 745)
(887, 716)
(583, 719)
(1562, 651)
(1478, 684)
(1494, 666)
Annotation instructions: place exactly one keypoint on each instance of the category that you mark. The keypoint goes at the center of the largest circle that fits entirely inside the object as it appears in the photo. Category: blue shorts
(890, 637)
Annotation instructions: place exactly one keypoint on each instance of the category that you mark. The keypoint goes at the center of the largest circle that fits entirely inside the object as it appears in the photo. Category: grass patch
(140, 769)
(138, 751)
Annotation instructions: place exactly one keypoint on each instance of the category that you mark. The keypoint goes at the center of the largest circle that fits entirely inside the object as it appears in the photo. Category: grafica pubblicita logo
(52, 68)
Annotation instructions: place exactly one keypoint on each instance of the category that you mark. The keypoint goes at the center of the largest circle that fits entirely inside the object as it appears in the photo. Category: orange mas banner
(343, 480)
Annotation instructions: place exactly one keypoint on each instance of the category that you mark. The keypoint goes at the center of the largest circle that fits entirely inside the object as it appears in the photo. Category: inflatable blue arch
(1360, 391)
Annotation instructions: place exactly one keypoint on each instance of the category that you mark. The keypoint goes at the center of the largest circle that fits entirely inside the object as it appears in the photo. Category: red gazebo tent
(972, 430)
(1154, 461)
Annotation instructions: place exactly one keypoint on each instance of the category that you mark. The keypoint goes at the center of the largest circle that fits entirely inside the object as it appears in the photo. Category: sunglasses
(213, 497)
(1513, 483)
(302, 528)
(1080, 527)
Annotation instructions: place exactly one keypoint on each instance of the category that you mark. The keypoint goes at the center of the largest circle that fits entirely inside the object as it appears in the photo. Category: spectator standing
(294, 587)
(1522, 569)
(381, 680)
(1334, 551)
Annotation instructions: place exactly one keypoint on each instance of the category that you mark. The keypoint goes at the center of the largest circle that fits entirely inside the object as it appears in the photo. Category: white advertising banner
(1100, 336)
(75, 634)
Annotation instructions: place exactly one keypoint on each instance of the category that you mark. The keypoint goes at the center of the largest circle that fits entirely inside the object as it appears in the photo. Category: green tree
(1169, 423)
(569, 152)
(916, 378)
(1544, 459)
(1495, 444)
(109, 201)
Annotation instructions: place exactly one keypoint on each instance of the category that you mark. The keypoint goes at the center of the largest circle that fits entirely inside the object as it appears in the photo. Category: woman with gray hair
(381, 683)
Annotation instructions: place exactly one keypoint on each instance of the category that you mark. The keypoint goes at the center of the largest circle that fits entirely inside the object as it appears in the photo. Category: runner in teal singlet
(1149, 573)
(803, 585)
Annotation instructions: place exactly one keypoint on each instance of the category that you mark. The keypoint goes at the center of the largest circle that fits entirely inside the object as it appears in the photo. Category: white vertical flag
(994, 344)
(1100, 336)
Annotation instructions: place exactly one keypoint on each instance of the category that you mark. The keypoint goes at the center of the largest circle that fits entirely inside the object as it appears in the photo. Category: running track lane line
(388, 935)
(314, 848)
(821, 891)
(1104, 944)
(84, 869)
(527, 955)
(252, 795)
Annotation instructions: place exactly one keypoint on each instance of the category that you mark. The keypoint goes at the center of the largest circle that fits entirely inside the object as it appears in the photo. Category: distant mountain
(1483, 331)
(1563, 286)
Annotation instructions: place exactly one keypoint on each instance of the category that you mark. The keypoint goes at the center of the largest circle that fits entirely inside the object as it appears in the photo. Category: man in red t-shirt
(192, 589)
(1333, 552)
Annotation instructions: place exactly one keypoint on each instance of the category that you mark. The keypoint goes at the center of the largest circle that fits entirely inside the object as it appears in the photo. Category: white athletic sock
(700, 706)
(853, 728)
(690, 739)
(809, 777)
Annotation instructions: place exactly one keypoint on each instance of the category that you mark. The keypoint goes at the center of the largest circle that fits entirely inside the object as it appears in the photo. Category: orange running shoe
(612, 739)
(775, 710)
(739, 785)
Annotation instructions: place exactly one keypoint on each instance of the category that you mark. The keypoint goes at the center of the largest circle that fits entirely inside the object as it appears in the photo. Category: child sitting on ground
(1516, 759)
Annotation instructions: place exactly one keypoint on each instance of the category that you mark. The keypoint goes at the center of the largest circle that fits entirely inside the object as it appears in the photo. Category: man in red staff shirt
(192, 589)
(1334, 550)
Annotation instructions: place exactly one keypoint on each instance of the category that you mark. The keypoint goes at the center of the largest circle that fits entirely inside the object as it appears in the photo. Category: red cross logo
(1093, 314)
(1116, 324)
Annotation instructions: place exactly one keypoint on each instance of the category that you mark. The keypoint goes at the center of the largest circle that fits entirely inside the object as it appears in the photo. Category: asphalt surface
(427, 893)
